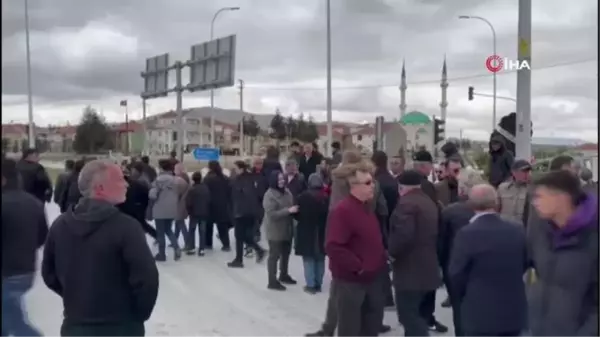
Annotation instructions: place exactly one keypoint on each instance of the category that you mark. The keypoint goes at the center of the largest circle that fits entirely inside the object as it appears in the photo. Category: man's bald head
(483, 197)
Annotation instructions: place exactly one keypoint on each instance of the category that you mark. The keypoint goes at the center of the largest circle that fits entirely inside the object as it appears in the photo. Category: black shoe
(190, 251)
(200, 252)
(160, 258)
(235, 264)
(438, 327)
(276, 286)
(260, 256)
(389, 303)
(317, 334)
(318, 289)
(226, 249)
(446, 303)
(177, 254)
(287, 279)
(248, 252)
(385, 328)
(310, 290)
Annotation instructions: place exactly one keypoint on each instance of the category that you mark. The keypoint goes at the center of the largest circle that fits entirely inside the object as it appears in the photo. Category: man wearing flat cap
(423, 164)
(514, 194)
(413, 251)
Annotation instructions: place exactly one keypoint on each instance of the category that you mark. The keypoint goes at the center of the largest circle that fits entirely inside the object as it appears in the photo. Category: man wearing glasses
(357, 257)
(513, 194)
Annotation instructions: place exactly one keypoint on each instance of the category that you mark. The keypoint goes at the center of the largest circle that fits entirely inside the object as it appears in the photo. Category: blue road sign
(206, 154)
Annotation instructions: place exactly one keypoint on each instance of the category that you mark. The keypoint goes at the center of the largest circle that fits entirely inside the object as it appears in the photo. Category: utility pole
(523, 132)
(328, 150)
(145, 127)
(31, 134)
(242, 147)
(180, 126)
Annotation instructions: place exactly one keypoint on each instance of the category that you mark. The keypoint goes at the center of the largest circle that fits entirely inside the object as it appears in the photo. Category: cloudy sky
(92, 52)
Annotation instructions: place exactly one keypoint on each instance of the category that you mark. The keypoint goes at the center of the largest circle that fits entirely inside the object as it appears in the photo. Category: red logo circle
(494, 63)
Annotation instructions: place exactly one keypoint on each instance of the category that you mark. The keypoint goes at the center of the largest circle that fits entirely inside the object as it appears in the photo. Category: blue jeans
(200, 225)
(14, 319)
(164, 229)
(314, 269)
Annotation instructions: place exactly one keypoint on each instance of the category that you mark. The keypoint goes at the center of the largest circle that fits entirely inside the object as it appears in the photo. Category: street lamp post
(31, 134)
(212, 92)
(494, 51)
(329, 112)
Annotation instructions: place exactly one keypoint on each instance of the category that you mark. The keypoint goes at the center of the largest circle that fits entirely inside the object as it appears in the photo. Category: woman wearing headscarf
(313, 206)
(279, 207)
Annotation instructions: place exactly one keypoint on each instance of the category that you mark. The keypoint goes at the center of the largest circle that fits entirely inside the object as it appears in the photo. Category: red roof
(132, 127)
(13, 129)
(588, 147)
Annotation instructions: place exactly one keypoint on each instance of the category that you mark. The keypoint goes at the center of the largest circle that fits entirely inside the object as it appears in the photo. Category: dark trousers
(331, 318)
(222, 229)
(180, 229)
(243, 230)
(427, 307)
(359, 307)
(164, 230)
(408, 303)
(493, 334)
(116, 329)
(279, 251)
(456, 317)
(14, 318)
(196, 225)
(387, 289)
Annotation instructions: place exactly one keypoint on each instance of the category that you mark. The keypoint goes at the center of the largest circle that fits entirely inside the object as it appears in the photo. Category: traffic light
(471, 93)
(439, 130)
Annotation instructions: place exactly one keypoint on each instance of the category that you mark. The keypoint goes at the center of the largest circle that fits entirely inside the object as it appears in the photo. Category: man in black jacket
(136, 199)
(423, 163)
(24, 230)
(62, 181)
(501, 160)
(309, 161)
(246, 209)
(97, 260)
(34, 177)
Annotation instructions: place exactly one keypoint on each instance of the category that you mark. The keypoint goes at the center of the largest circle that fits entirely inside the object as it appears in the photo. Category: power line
(437, 81)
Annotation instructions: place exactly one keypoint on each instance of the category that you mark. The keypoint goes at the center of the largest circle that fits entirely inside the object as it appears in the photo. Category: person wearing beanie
(412, 247)
(423, 164)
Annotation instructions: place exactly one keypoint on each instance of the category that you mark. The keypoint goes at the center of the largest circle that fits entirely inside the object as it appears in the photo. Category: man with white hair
(486, 270)
(454, 217)
(97, 260)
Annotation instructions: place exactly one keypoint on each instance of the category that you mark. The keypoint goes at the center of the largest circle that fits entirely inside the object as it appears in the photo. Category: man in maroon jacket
(357, 258)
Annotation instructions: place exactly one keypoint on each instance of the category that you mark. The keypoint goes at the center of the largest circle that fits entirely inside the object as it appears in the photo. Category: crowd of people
(515, 256)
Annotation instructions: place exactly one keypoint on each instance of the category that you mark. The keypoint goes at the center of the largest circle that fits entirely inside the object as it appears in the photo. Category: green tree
(311, 132)
(92, 134)
(278, 130)
(5, 145)
(291, 128)
(301, 126)
(482, 160)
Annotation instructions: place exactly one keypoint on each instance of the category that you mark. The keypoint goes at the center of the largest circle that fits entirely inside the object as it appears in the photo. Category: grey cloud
(283, 41)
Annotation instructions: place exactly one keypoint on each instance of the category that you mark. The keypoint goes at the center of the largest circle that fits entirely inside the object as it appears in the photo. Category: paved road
(201, 296)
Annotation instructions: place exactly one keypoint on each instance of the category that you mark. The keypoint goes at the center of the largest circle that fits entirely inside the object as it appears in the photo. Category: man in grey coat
(165, 195)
